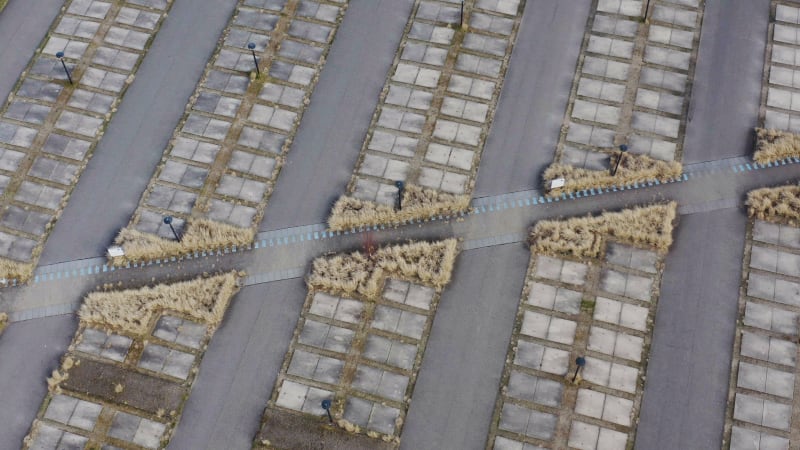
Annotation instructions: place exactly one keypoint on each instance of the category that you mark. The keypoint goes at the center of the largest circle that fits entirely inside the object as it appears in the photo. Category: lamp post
(580, 361)
(462, 13)
(400, 188)
(168, 221)
(60, 56)
(622, 149)
(252, 48)
(326, 405)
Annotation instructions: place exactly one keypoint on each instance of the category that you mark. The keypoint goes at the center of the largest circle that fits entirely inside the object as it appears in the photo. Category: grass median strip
(130, 367)
(358, 346)
(219, 169)
(57, 114)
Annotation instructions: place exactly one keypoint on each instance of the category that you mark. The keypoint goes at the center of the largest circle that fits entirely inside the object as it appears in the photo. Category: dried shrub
(3, 321)
(775, 145)
(418, 203)
(10, 269)
(779, 204)
(632, 169)
(428, 262)
(130, 311)
(199, 234)
(583, 237)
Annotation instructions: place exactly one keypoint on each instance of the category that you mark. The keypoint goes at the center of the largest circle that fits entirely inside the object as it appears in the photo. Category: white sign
(115, 251)
(557, 183)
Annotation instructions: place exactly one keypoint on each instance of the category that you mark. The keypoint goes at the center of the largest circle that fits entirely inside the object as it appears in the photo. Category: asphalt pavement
(526, 127)
(457, 385)
(687, 377)
(30, 352)
(726, 93)
(335, 124)
(239, 369)
(131, 148)
(23, 25)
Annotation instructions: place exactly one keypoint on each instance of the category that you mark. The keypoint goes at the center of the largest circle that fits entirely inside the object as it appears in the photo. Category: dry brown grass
(775, 145)
(10, 269)
(200, 234)
(130, 311)
(583, 237)
(632, 169)
(3, 321)
(779, 204)
(418, 203)
(428, 262)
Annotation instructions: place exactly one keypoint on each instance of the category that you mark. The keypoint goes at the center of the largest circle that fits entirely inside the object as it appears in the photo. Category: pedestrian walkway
(633, 82)
(226, 154)
(762, 406)
(57, 113)
(434, 114)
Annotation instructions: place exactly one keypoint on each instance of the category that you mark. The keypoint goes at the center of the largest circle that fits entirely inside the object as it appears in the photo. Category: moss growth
(130, 311)
(779, 204)
(200, 234)
(632, 169)
(583, 237)
(428, 262)
(418, 203)
(775, 145)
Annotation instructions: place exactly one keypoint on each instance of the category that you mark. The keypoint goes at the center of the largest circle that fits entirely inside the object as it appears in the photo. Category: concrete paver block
(398, 321)
(266, 140)
(528, 422)
(432, 33)
(315, 367)
(746, 439)
(380, 382)
(540, 357)
(283, 95)
(604, 90)
(387, 142)
(472, 87)
(389, 351)
(583, 436)
(534, 389)
(321, 335)
(605, 68)
(615, 25)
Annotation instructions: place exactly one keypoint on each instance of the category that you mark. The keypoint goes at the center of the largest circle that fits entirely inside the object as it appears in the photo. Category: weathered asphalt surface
(528, 121)
(333, 128)
(131, 148)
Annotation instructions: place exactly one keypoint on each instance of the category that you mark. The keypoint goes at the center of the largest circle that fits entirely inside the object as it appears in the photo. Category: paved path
(530, 112)
(441, 415)
(240, 368)
(687, 378)
(727, 84)
(31, 351)
(326, 146)
(132, 146)
(23, 25)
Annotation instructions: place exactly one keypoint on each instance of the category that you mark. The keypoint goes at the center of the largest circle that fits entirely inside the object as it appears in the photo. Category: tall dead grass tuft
(199, 234)
(632, 169)
(428, 262)
(418, 203)
(775, 145)
(778, 204)
(10, 269)
(130, 311)
(3, 321)
(583, 237)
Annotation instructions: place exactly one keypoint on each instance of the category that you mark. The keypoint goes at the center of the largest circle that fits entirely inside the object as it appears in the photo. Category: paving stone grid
(227, 150)
(168, 356)
(602, 311)
(780, 107)
(763, 412)
(633, 82)
(49, 128)
(363, 355)
(437, 105)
